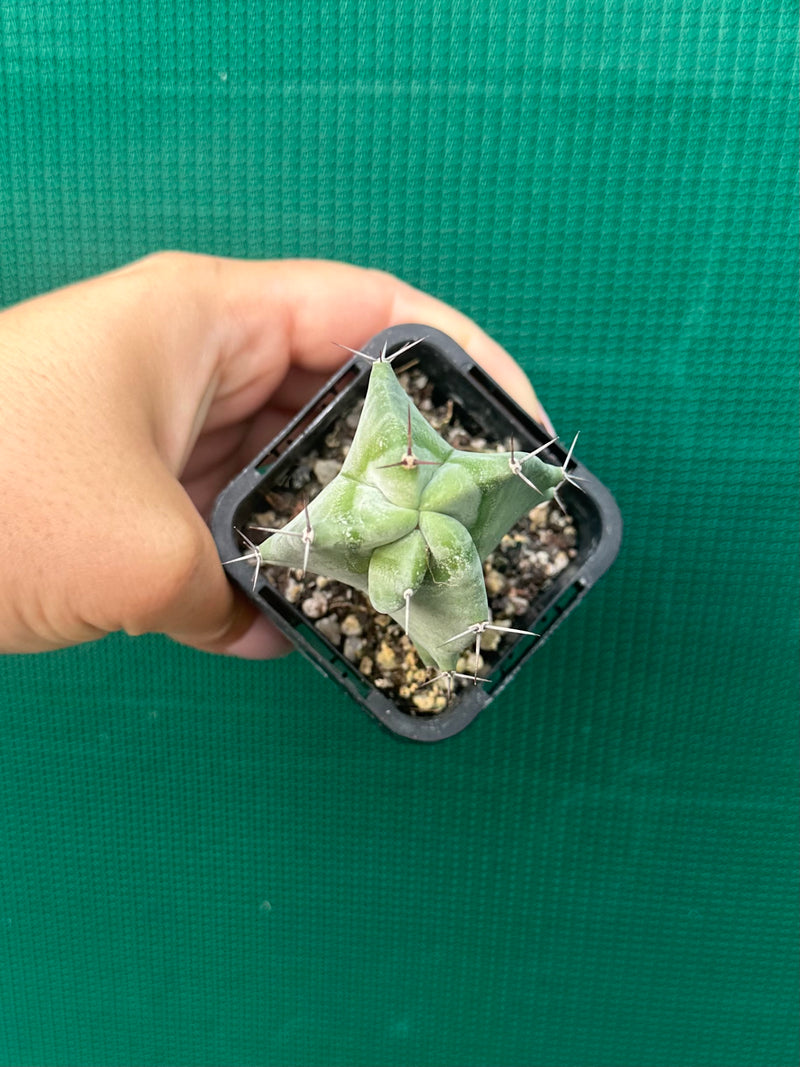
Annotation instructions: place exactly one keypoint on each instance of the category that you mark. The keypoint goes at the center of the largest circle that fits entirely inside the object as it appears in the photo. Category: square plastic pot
(455, 376)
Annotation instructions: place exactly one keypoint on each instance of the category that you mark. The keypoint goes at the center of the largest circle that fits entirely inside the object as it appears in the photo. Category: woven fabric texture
(214, 862)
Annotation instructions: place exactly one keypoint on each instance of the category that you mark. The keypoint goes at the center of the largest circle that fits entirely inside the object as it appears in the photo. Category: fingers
(244, 633)
(261, 641)
(235, 327)
(172, 581)
(298, 310)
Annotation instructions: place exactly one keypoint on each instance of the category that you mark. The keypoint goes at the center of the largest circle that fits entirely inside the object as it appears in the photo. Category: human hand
(131, 399)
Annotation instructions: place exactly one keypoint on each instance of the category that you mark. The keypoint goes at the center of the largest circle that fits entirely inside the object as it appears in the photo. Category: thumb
(174, 583)
(212, 616)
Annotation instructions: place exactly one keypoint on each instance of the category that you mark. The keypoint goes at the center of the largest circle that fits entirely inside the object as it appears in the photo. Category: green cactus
(409, 520)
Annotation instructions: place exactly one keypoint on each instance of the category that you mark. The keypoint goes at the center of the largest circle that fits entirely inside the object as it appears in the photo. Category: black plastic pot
(455, 375)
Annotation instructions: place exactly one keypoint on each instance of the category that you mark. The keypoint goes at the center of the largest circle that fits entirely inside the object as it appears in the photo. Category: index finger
(319, 303)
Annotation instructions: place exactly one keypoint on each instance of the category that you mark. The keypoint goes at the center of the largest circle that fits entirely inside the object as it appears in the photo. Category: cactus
(409, 520)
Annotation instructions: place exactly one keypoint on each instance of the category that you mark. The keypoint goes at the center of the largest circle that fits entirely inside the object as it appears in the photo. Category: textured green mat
(215, 863)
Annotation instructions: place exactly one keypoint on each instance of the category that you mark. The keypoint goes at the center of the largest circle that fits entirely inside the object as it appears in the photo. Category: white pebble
(329, 627)
(325, 470)
(315, 606)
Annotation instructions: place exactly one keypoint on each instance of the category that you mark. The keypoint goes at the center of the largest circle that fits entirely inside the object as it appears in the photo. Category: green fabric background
(206, 862)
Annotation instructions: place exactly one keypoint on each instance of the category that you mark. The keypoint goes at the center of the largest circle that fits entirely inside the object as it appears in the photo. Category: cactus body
(409, 521)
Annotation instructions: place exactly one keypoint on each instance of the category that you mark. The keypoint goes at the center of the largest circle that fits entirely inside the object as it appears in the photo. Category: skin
(131, 399)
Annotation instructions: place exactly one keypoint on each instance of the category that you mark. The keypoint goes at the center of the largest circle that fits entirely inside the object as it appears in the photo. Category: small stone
(315, 606)
(325, 470)
(429, 700)
(386, 657)
(490, 639)
(299, 477)
(495, 582)
(329, 627)
(293, 590)
(458, 439)
(558, 520)
(265, 518)
(443, 415)
(519, 604)
(560, 560)
(469, 663)
(351, 625)
(353, 647)
(538, 514)
(365, 666)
